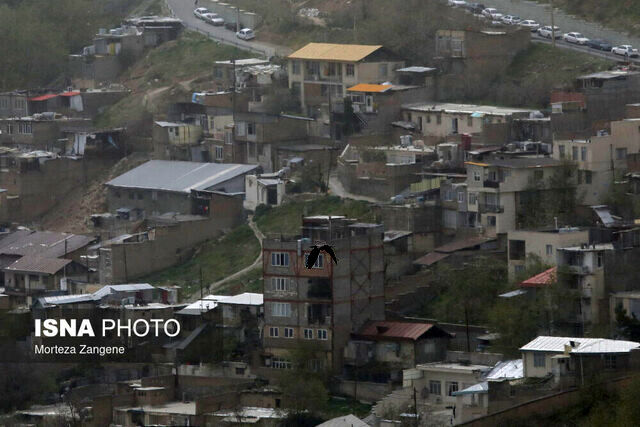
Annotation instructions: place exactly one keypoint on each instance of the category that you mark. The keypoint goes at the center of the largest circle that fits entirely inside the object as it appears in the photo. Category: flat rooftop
(464, 109)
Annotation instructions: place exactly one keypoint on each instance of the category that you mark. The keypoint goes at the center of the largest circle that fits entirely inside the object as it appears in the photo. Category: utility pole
(466, 322)
(415, 407)
(553, 26)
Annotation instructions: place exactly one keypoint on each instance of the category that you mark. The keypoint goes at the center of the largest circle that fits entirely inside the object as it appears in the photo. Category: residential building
(498, 188)
(600, 159)
(320, 71)
(453, 197)
(527, 246)
(246, 74)
(324, 305)
(582, 268)
(629, 301)
(171, 139)
(160, 186)
(580, 358)
(263, 191)
(380, 350)
(437, 121)
(39, 131)
(14, 104)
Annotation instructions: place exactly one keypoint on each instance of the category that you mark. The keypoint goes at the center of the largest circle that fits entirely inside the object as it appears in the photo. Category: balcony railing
(322, 78)
(489, 183)
(490, 208)
(579, 269)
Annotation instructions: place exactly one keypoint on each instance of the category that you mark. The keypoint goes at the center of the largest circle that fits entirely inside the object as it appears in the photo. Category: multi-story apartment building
(14, 104)
(320, 307)
(497, 189)
(320, 70)
(600, 159)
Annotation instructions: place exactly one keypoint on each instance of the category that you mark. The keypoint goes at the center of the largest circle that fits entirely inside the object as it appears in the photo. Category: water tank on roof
(102, 31)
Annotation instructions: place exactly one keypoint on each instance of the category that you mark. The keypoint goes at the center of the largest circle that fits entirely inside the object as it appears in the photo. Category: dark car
(475, 7)
(600, 44)
(230, 26)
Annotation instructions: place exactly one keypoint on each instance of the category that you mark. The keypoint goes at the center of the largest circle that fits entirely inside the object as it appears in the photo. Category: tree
(627, 326)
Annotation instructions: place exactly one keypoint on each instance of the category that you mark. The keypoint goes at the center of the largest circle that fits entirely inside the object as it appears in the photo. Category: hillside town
(218, 214)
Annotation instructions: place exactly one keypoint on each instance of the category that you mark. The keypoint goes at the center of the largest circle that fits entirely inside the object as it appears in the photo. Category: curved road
(183, 9)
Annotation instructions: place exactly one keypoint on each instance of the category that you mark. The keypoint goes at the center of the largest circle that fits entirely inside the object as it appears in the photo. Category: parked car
(547, 32)
(575, 38)
(230, 25)
(530, 24)
(457, 3)
(511, 19)
(490, 12)
(213, 19)
(246, 34)
(475, 8)
(625, 50)
(600, 45)
(199, 12)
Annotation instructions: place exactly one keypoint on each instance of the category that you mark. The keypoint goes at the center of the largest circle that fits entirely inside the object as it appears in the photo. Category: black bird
(315, 251)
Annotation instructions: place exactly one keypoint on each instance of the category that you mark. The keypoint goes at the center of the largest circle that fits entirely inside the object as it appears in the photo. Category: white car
(530, 24)
(213, 19)
(490, 12)
(625, 50)
(246, 34)
(511, 19)
(575, 38)
(199, 12)
(457, 3)
(548, 32)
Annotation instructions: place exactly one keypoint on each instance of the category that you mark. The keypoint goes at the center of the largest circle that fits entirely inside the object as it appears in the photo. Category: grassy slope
(536, 71)
(217, 259)
(240, 248)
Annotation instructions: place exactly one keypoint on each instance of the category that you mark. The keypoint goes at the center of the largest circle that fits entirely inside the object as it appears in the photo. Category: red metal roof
(545, 278)
(382, 330)
(43, 97)
(74, 93)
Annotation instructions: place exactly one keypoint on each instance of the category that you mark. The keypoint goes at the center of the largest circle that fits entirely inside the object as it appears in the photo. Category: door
(454, 125)
(272, 195)
(369, 104)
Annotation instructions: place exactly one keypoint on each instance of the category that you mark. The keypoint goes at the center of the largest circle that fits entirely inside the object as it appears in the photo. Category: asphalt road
(584, 49)
(183, 9)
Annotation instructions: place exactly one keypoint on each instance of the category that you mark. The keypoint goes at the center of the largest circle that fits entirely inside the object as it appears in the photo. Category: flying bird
(315, 251)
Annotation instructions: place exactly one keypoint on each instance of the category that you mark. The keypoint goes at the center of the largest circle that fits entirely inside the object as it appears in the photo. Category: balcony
(309, 77)
(319, 288)
(489, 183)
(579, 269)
(490, 208)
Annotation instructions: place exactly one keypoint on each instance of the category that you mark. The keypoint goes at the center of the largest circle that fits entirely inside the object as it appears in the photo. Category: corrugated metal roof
(179, 176)
(581, 345)
(545, 278)
(169, 124)
(446, 107)
(345, 421)
(482, 387)
(43, 97)
(129, 287)
(512, 294)
(380, 330)
(462, 244)
(415, 69)
(507, 369)
(335, 52)
(66, 299)
(247, 298)
(430, 258)
(45, 244)
(371, 88)
(33, 264)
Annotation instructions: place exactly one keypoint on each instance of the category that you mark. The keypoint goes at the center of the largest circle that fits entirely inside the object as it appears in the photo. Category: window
(322, 334)
(419, 122)
(460, 197)
(435, 387)
(587, 177)
(469, 121)
(281, 309)
(574, 153)
(280, 259)
(279, 284)
(561, 151)
(251, 128)
(549, 249)
(600, 259)
(4, 103)
(240, 371)
(539, 360)
(519, 268)
(10, 129)
(609, 361)
(383, 70)
(491, 220)
(428, 116)
(447, 196)
(219, 152)
(583, 154)
(288, 332)
(273, 332)
(279, 363)
(295, 67)
(452, 387)
(154, 195)
(473, 198)
(476, 176)
(538, 174)
(621, 153)
(24, 127)
(350, 70)
(316, 365)
(438, 119)
(319, 262)
(140, 196)
(308, 334)
(132, 195)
